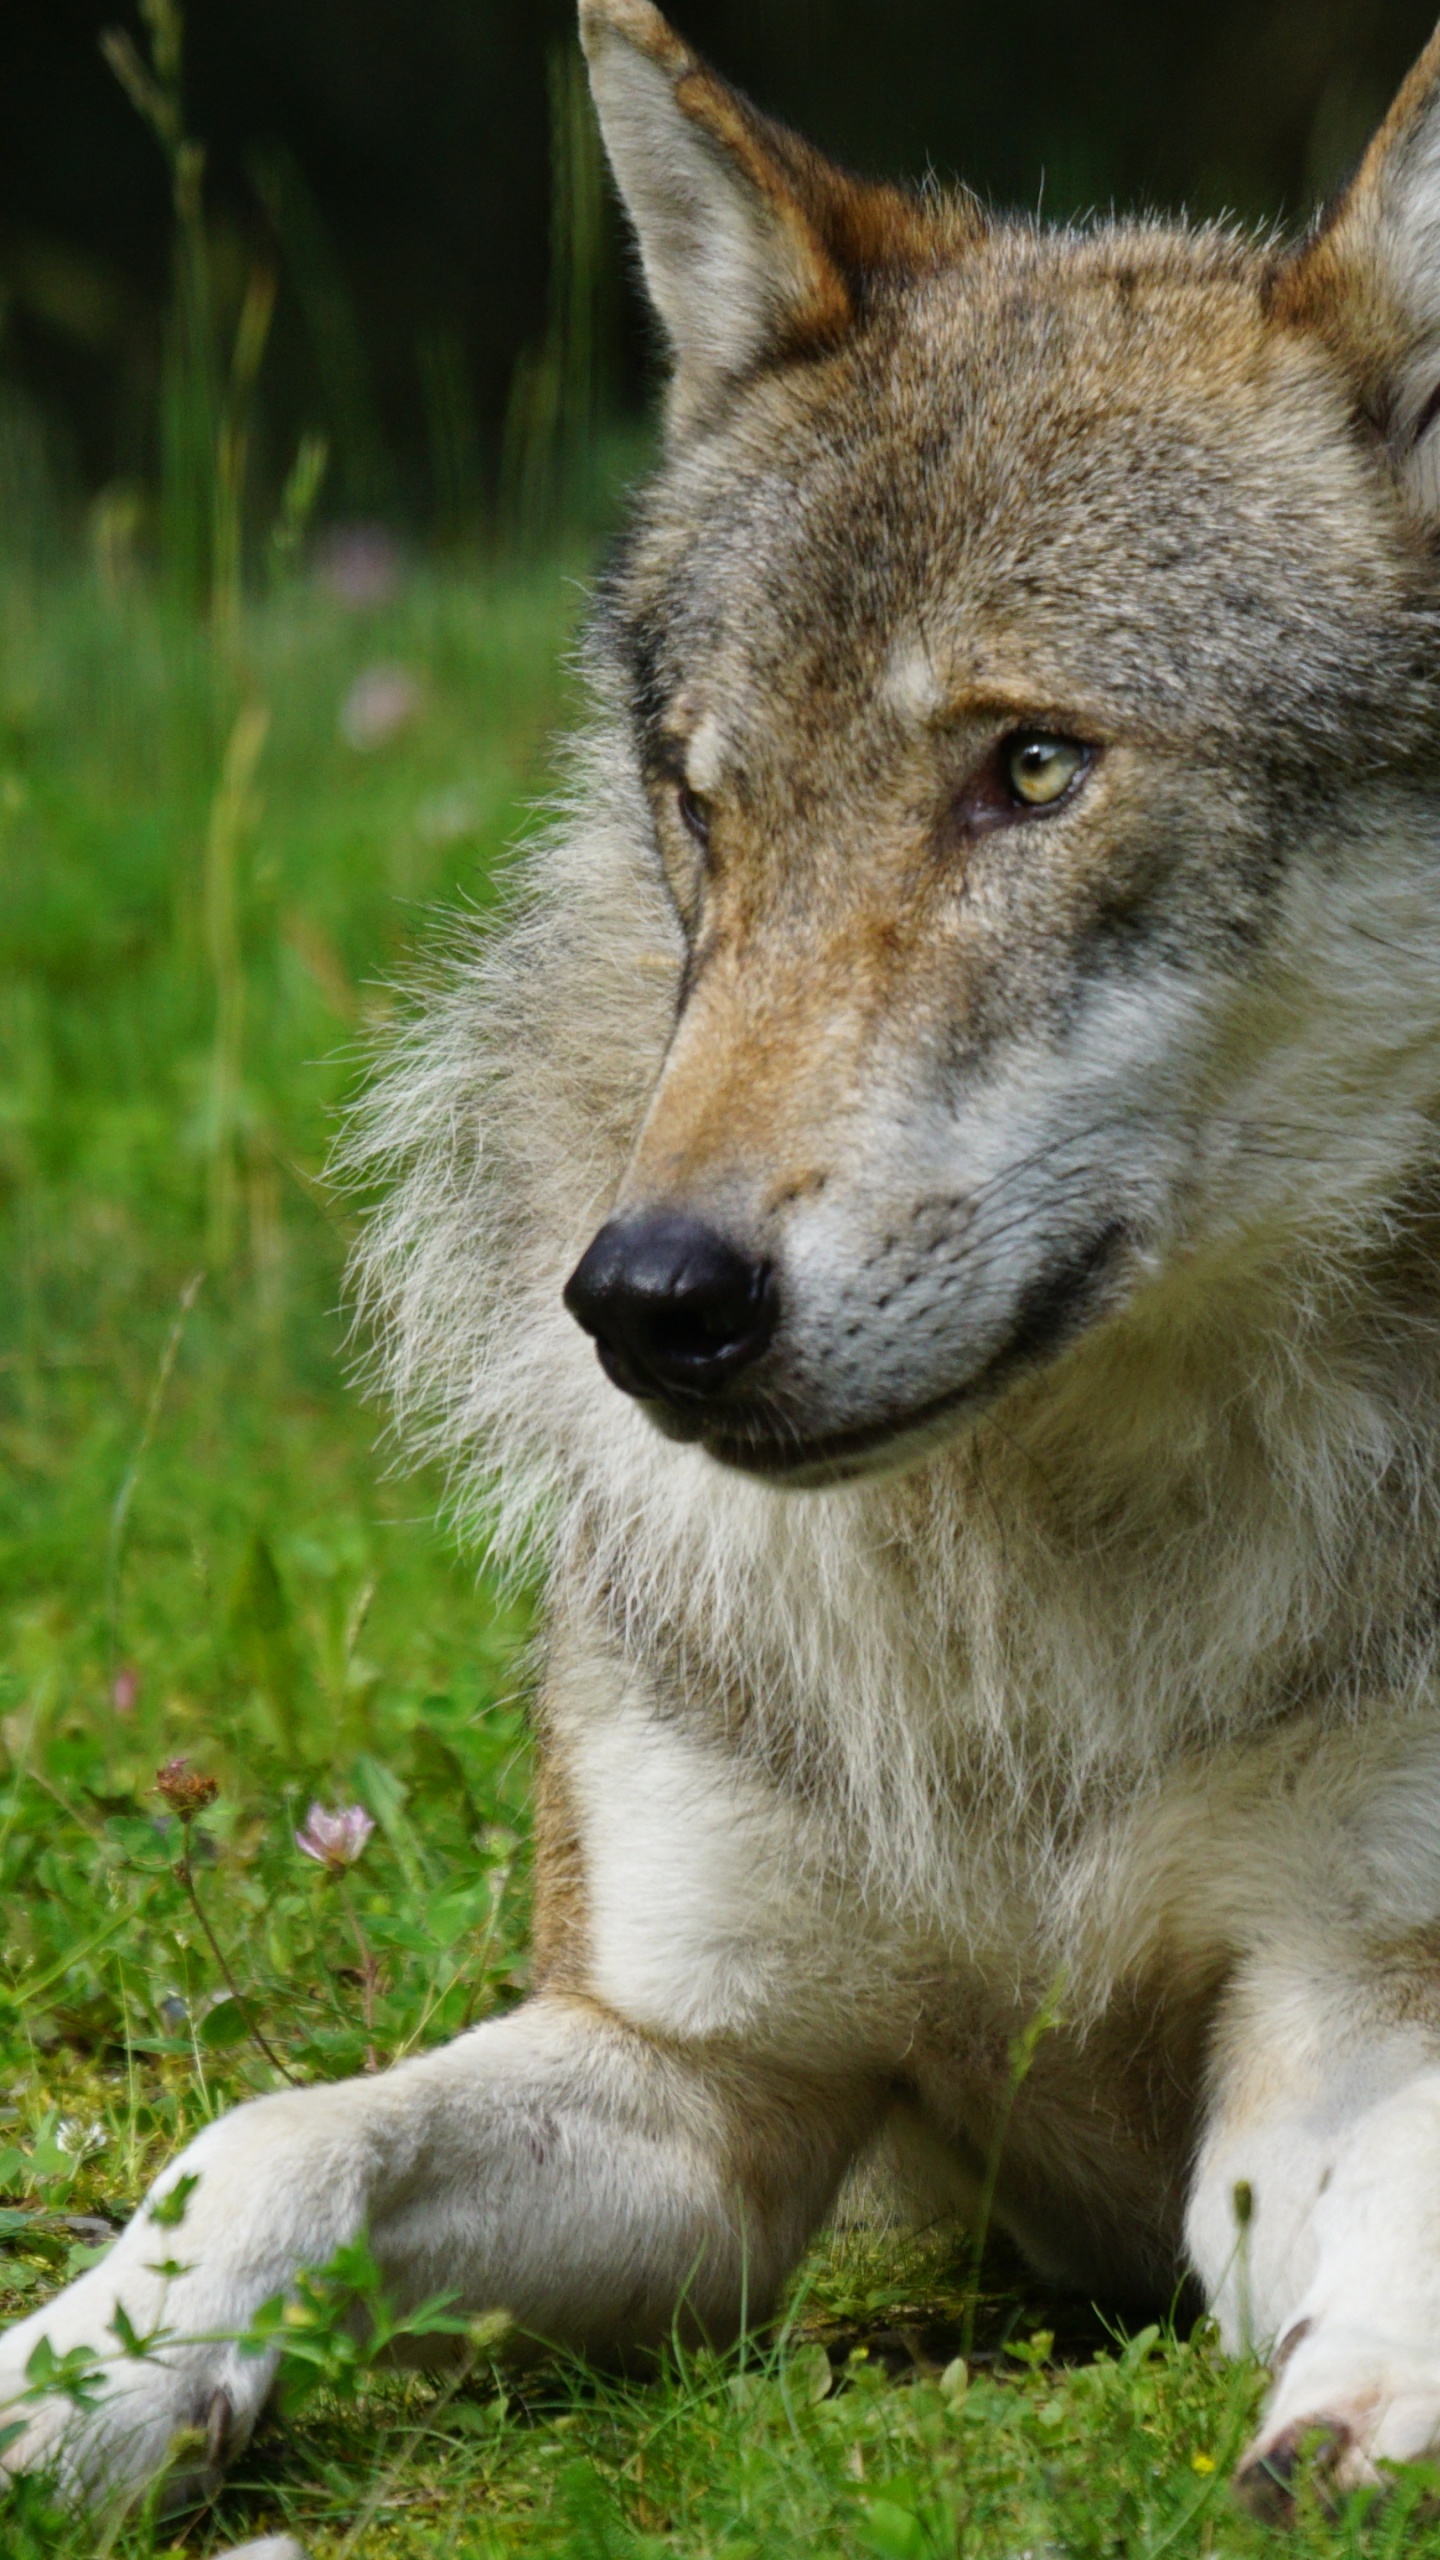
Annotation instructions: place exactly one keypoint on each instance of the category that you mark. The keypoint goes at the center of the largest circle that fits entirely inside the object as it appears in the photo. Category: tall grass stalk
(455, 470)
(232, 815)
(363, 470)
(1023, 2049)
(548, 474)
(124, 1499)
(232, 456)
(298, 501)
(191, 399)
(205, 409)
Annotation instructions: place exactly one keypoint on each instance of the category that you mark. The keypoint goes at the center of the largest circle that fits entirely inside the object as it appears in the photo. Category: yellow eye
(1040, 770)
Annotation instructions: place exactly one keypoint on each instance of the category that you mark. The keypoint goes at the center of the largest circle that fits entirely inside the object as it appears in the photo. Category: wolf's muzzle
(675, 1309)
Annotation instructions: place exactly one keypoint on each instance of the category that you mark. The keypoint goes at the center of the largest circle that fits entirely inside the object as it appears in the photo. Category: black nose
(675, 1310)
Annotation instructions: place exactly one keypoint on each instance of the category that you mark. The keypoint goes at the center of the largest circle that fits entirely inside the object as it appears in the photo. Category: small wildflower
(77, 2139)
(382, 703)
(1203, 2463)
(186, 1791)
(360, 566)
(335, 1840)
(125, 1690)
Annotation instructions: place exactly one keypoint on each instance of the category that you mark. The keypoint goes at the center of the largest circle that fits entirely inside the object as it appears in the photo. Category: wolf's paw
(109, 2415)
(1345, 2403)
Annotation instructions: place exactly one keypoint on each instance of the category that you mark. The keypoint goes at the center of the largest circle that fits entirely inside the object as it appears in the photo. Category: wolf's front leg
(554, 2164)
(1315, 2217)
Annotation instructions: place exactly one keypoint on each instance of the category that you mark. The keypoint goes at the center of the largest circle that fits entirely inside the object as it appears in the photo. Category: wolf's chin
(880, 1449)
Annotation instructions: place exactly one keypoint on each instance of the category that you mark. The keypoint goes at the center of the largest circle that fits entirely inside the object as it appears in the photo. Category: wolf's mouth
(763, 1441)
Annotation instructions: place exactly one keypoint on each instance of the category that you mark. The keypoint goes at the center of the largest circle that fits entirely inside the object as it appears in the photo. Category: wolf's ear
(753, 246)
(1369, 281)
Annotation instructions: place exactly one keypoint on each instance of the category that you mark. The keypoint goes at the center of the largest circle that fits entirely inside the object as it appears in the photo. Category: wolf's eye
(1029, 774)
(694, 815)
(1040, 769)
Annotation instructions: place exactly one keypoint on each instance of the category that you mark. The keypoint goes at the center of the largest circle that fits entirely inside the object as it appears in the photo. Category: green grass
(202, 1552)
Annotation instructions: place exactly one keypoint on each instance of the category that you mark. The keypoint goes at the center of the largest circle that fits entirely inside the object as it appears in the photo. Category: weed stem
(369, 1975)
(185, 1876)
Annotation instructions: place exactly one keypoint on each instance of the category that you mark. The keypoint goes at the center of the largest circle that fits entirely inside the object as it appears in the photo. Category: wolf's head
(1030, 658)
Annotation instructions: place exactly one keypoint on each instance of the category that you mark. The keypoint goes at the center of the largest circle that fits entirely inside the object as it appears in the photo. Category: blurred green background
(389, 160)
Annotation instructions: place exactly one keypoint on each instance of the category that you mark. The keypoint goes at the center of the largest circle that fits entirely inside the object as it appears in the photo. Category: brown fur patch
(561, 1932)
(1336, 285)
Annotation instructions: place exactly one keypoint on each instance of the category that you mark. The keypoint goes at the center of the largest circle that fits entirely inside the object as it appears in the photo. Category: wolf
(924, 1224)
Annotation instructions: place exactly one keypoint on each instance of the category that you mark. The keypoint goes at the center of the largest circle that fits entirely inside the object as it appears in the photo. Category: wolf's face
(1009, 622)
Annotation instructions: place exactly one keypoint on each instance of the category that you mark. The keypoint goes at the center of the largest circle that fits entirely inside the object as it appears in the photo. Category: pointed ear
(1369, 281)
(754, 248)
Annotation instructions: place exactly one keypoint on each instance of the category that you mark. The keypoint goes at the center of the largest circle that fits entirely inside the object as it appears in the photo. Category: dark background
(392, 158)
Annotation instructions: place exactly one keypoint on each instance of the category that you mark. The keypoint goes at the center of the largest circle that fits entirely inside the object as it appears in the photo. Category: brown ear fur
(1367, 280)
(821, 238)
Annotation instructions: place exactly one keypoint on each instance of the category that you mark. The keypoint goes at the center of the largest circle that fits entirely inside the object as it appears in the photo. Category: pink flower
(125, 1690)
(360, 566)
(382, 703)
(335, 1840)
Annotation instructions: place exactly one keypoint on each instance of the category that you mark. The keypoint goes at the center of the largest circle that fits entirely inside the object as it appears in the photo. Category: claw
(219, 2419)
(198, 2455)
(1265, 2483)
